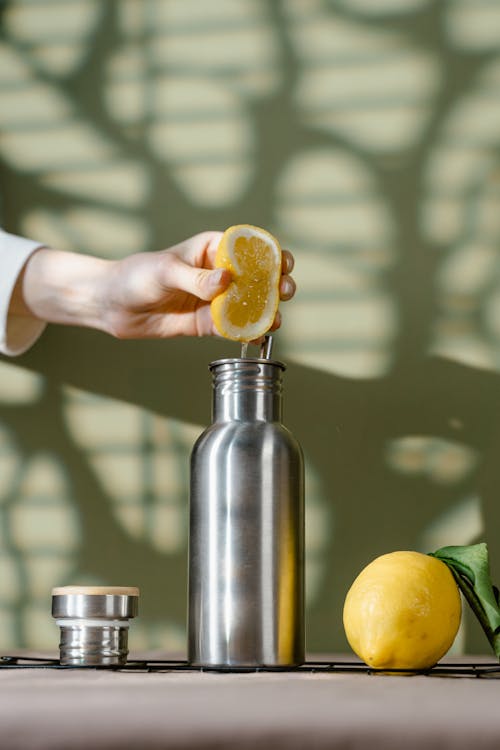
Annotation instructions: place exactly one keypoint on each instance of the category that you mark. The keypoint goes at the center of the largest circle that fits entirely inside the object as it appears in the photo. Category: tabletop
(335, 704)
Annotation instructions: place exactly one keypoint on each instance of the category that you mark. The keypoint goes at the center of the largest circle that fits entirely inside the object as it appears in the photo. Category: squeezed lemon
(247, 308)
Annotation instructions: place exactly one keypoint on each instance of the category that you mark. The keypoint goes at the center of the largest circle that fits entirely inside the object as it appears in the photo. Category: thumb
(201, 282)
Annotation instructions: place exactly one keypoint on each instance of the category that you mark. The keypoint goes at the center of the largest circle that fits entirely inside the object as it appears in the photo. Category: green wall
(366, 136)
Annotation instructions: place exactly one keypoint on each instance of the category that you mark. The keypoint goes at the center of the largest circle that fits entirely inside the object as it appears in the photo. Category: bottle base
(245, 666)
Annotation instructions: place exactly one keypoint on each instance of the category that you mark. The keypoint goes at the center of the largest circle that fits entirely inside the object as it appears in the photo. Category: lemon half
(247, 308)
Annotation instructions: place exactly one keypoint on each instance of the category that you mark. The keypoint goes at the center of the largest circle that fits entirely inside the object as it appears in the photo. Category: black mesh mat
(489, 670)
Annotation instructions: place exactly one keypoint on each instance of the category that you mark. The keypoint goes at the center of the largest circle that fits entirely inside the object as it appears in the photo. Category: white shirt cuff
(17, 332)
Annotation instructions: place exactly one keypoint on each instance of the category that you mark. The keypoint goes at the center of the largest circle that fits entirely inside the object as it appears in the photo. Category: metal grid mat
(489, 670)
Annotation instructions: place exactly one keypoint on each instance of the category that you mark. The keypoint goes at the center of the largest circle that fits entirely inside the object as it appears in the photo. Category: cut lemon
(247, 308)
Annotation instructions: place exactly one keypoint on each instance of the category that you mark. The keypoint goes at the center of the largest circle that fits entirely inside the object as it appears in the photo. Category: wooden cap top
(96, 590)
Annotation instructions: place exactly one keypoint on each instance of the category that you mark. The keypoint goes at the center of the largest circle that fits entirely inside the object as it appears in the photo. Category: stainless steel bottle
(246, 548)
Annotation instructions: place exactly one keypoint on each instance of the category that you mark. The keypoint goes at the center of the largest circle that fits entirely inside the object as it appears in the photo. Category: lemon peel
(246, 309)
(402, 611)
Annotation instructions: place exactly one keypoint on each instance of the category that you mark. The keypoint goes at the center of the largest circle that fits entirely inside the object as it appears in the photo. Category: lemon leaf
(472, 562)
(471, 570)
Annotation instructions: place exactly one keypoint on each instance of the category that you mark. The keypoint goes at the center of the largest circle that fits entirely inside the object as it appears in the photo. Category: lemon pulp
(247, 308)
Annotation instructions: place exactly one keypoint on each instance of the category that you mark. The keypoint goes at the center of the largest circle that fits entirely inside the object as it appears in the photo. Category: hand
(145, 295)
(169, 293)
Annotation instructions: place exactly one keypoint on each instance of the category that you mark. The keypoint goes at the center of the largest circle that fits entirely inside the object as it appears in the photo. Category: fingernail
(286, 288)
(216, 277)
(288, 261)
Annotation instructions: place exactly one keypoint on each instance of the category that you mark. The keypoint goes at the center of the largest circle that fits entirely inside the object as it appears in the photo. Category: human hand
(168, 293)
(146, 295)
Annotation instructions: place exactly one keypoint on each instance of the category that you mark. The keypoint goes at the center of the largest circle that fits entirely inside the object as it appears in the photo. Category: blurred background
(366, 136)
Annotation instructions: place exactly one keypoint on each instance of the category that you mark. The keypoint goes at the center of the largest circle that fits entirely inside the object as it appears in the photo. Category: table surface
(343, 708)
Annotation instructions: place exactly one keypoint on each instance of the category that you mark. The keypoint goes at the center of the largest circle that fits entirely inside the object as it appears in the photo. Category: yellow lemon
(246, 309)
(402, 611)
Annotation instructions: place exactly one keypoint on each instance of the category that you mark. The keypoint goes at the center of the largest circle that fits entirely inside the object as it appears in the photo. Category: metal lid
(109, 602)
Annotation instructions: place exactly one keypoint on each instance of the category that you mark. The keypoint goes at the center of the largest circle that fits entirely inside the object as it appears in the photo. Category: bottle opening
(265, 350)
(238, 362)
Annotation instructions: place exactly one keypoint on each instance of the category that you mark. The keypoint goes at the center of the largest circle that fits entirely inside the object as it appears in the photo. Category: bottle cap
(93, 622)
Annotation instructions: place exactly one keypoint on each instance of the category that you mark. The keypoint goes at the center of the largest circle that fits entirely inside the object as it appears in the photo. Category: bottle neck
(247, 390)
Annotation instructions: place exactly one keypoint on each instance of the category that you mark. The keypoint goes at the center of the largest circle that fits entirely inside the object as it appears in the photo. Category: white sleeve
(17, 332)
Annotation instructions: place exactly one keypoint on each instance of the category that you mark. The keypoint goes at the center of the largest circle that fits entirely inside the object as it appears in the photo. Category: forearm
(144, 295)
(62, 287)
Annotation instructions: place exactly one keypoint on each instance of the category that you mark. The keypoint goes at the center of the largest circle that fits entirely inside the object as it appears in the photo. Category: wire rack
(490, 670)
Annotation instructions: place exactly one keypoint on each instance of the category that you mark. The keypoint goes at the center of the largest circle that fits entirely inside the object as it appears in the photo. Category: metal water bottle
(246, 547)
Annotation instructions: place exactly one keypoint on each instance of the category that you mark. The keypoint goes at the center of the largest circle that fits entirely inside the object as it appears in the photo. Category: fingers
(200, 282)
(287, 284)
(203, 248)
(204, 323)
(194, 268)
(216, 282)
(287, 262)
(198, 250)
(277, 322)
(287, 288)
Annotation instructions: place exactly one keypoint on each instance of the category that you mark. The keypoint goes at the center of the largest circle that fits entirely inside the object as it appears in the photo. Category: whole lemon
(402, 611)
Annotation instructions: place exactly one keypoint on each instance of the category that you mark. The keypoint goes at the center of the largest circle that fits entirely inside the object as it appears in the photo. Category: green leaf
(471, 570)
(472, 562)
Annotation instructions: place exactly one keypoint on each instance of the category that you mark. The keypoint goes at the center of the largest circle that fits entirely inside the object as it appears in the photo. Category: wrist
(64, 287)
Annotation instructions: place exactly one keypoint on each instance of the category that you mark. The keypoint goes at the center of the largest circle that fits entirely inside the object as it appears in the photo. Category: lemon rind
(258, 329)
